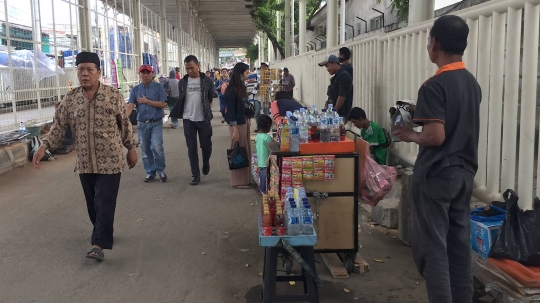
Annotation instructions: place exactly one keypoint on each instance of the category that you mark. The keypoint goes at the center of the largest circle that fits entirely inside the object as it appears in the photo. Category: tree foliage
(263, 14)
(402, 7)
(253, 52)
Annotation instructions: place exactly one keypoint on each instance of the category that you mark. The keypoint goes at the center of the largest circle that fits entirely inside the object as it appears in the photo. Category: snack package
(329, 175)
(297, 163)
(308, 174)
(296, 175)
(329, 161)
(286, 163)
(318, 174)
(307, 162)
(286, 176)
(297, 184)
(318, 161)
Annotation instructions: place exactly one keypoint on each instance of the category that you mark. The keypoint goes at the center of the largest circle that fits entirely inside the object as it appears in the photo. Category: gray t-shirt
(288, 81)
(193, 109)
(173, 86)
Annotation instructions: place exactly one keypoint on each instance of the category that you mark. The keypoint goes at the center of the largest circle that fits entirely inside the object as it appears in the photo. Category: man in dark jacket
(340, 92)
(195, 108)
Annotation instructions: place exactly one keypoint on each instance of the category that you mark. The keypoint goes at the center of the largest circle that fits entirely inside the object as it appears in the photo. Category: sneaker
(162, 178)
(206, 168)
(195, 180)
(149, 178)
(173, 126)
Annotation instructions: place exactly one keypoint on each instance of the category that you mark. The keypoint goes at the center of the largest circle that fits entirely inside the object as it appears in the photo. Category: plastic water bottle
(303, 124)
(324, 127)
(307, 220)
(293, 224)
(313, 124)
(334, 130)
(22, 128)
(295, 135)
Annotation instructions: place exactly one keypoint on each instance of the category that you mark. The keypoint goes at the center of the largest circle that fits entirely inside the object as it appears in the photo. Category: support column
(287, 28)
(85, 22)
(301, 26)
(342, 23)
(278, 34)
(137, 45)
(179, 31)
(420, 11)
(331, 23)
(191, 31)
(163, 35)
(293, 48)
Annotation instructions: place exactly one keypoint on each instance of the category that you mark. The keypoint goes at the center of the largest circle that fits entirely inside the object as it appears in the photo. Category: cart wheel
(349, 263)
(287, 264)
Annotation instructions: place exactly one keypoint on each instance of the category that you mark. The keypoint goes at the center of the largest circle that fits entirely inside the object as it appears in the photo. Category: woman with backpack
(237, 117)
(221, 86)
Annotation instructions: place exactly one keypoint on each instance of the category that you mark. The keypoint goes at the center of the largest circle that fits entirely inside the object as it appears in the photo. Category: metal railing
(392, 66)
(24, 100)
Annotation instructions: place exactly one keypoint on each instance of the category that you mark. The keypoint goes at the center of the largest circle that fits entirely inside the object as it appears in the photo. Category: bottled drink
(303, 124)
(334, 130)
(293, 228)
(278, 136)
(313, 124)
(398, 121)
(307, 220)
(342, 130)
(324, 130)
(280, 223)
(22, 128)
(266, 223)
(295, 135)
(285, 137)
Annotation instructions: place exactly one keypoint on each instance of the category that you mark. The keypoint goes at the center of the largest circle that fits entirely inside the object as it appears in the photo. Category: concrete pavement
(173, 242)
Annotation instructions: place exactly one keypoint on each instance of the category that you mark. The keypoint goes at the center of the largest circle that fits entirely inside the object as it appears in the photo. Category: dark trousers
(222, 105)
(440, 234)
(204, 130)
(100, 192)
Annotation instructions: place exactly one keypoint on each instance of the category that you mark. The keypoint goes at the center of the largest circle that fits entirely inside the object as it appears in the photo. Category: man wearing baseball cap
(96, 113)
(150, 98)
(340, 92)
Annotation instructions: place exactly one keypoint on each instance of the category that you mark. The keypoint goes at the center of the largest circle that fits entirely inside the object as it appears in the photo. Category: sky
(444, 3)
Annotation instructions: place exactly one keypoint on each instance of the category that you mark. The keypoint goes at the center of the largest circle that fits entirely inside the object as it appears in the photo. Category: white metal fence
(503, 54)
(54, 27)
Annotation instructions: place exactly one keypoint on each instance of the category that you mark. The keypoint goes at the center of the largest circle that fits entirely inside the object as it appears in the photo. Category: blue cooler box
(483, 235)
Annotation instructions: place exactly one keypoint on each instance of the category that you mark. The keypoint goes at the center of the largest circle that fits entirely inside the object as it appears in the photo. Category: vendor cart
(334, 203)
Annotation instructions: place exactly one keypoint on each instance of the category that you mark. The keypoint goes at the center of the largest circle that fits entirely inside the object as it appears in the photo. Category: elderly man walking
(150, 99)
(96, 114)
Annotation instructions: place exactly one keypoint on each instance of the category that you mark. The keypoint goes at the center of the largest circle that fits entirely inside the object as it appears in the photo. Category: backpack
(388, 139)
(34, 146)
(167, 88)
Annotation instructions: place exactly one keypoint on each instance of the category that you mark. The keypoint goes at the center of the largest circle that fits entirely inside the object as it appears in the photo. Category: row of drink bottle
(293, 217)
(303, 127)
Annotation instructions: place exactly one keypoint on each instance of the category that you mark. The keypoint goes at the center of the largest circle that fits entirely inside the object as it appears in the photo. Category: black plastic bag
(237, 157)
(519, 236)
(133, 117)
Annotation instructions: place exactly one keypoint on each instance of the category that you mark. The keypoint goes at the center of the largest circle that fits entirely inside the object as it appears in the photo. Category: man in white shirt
(195, 108)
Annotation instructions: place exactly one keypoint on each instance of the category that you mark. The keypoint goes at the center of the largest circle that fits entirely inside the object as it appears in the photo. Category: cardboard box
(483, 235)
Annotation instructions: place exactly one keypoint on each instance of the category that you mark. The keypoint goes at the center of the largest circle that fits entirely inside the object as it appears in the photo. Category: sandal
(98, 256)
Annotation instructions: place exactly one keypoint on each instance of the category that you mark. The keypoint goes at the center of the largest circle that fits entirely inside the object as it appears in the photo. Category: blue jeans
(171, 102)
(222, 105)
(151, 140)
(257, 104)
(262, 176)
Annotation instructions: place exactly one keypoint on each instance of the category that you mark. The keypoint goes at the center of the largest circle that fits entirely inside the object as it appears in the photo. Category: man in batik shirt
(96, 113)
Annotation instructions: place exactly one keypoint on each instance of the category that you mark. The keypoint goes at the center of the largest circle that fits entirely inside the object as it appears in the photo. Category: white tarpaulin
(26, 71)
